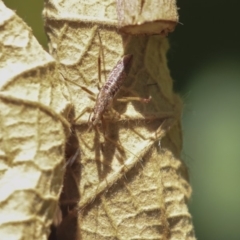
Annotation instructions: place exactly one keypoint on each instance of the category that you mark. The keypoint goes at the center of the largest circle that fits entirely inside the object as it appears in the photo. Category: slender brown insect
(110, 89)
(106, 94)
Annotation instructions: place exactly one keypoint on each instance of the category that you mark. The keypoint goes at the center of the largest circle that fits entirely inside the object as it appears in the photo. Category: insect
(110, 89)
(107, 93)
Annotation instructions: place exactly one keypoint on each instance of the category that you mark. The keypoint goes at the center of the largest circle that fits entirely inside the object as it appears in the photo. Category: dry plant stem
(128, 187)
(32, 132)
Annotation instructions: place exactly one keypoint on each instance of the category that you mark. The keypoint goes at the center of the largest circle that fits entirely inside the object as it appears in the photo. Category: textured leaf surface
(32, 133)
(147, 17)
(129, 182)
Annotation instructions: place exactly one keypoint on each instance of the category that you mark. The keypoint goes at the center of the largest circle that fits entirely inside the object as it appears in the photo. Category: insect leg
(129, 99)
(86, 109)
(135, 97)
(92, 96)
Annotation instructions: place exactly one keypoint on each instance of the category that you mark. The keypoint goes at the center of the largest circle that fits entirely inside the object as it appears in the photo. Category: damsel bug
(110, 89)
(107, 93)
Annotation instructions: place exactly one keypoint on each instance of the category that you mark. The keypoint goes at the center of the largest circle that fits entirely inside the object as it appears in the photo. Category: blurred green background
(205, 64)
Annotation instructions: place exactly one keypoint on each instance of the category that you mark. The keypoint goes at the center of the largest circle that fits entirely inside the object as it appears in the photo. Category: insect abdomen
(111, 87)
(117, 76)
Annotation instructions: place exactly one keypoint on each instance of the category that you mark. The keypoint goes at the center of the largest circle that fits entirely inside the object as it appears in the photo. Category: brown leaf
(32, 132)
(147, 17)
(129, 180)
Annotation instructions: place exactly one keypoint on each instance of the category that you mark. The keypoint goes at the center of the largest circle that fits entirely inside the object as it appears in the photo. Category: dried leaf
(147, 17)
(32, 132)
(128, 181)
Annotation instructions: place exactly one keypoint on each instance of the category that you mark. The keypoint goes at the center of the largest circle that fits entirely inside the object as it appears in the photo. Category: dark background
(204, 60)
